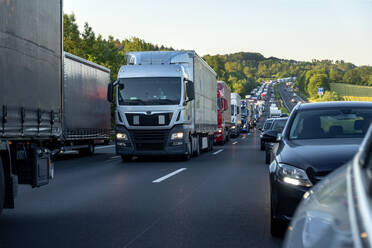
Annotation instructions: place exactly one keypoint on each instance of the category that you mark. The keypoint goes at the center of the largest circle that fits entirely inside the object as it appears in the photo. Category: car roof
(335, 104)
(281, 119)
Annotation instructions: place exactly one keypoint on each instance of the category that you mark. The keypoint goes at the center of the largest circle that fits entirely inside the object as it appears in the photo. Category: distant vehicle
(166, 105)
(337, 212)
(293, 100)
(236, 116)
(277, 126)
(223, 113)
(318, 138)
(274, 112)
(266, 126)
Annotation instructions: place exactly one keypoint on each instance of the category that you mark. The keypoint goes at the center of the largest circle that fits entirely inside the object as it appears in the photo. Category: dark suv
(317, 139)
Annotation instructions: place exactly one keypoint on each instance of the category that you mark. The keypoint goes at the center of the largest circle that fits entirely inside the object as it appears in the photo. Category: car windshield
(331, 123)
(278, 125)
(150, 91)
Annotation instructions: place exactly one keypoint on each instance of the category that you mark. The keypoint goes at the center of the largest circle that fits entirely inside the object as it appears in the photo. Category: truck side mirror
(190, 90)
(225, 105)
(110, 92)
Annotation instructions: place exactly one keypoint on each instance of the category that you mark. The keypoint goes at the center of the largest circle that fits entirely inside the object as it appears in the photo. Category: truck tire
(2, 186)
(89, 151)
(197, 148)
(189, 152)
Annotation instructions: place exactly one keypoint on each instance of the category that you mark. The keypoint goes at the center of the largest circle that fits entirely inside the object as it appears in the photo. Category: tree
(317, 81)
(330, 96)
(335, 75)
(352, 77)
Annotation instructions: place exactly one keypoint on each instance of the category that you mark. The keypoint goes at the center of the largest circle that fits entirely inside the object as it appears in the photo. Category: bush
(329, 96)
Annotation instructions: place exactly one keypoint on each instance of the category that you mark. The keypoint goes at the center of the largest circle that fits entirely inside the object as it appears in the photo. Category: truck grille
(149, 140)
(149, 120)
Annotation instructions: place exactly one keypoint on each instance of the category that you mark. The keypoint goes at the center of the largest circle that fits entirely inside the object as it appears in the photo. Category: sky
(288, 29)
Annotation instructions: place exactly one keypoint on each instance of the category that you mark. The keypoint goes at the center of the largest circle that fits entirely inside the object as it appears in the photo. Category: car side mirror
(190, 91)
(270, 136)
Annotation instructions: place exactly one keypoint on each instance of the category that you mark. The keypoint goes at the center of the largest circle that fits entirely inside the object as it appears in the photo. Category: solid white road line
(115, 157)
(159, 180)
(215, 153)
(236, 142)
(103, 147)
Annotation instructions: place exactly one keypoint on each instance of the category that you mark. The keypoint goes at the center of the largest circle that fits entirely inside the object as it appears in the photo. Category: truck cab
(236, 117)
(223, 113)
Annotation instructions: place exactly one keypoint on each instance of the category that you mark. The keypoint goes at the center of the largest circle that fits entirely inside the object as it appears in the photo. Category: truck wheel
(89, 151)
(189, 152)
(126, 158)
(2, 186)
(198, 148)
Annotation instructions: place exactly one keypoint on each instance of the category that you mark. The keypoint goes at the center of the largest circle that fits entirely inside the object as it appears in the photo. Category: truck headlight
(121, 136)
(178, 135)
(294, 176)
(220, 130)
(233, 127)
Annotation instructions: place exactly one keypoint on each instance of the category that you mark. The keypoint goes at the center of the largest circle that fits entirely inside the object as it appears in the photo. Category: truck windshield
(150, 91)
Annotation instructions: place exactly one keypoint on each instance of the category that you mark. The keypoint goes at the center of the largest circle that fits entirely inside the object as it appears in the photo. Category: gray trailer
(86, 115)
(166, 104)
(30, 93)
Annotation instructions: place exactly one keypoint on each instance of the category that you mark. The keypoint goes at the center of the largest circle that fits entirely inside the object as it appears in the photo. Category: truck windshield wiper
(163, 101)
(134, 102)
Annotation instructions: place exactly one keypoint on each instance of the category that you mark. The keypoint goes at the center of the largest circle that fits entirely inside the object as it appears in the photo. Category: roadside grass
(351, 92)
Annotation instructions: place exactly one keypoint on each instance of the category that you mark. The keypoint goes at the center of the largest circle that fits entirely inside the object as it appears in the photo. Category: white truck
(236, 115)
(275, 112)
(166, 104)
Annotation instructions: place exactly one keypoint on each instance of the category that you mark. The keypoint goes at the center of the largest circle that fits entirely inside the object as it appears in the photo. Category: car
(266, 126)
(338, 211)
(317, 139)
(277, 126)
(293, 100)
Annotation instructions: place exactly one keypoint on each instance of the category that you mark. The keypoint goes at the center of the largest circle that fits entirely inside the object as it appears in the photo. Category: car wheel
(267, 155)
(126, 158)
(2, 186)
(262, 146)
(277, 226)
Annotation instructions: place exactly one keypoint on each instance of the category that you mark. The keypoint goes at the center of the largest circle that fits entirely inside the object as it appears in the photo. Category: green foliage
(352, 77)
(317, 81)
(329, 96)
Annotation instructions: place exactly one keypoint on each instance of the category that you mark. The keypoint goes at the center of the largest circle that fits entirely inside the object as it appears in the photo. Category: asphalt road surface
(288, 96)
(218, 199)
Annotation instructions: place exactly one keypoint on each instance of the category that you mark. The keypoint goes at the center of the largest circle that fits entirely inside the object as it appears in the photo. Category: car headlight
(233, 127)
(121, 136)
(294, 176)
(178, 135)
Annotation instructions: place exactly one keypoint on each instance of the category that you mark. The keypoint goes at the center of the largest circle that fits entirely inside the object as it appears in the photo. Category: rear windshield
(334, 123)
(267, 125)
(278, 125)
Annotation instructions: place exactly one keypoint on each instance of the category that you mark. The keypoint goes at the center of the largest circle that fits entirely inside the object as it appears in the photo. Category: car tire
(126, 158)
(277, 226)
(2, 186)
(262, 146)
(267, 155)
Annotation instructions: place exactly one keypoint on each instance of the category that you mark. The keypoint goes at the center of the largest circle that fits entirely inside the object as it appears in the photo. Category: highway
(288, 96)
(219, 199)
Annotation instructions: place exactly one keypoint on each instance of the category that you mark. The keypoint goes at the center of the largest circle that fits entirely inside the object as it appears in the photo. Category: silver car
(338, 211)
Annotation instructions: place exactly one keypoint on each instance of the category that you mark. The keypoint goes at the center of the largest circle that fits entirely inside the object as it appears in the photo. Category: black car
(318, 138)
(338, 211)
(277, 127)
(266, 126)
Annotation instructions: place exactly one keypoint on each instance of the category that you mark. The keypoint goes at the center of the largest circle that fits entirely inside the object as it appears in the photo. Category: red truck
(223, 112)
